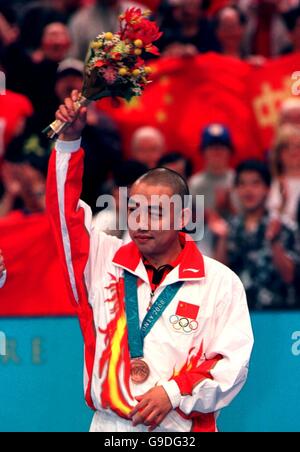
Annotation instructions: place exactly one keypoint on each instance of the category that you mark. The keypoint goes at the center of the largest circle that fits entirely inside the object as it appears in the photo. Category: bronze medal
(139, 371)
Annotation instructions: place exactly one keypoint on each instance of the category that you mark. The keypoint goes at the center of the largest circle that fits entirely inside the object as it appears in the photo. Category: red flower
(100, 63)
(110, 75)
(139, 63)
(116, 56)
(145, 30)
(132, 15)
(152, 49)
(134, 25)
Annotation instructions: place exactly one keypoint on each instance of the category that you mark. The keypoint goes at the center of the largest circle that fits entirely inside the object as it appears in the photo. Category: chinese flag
(187, 310)
(35, 285)
(269, 86)
(187, 94)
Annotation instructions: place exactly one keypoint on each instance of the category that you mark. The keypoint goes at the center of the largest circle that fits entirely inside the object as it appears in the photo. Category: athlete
(166, 330)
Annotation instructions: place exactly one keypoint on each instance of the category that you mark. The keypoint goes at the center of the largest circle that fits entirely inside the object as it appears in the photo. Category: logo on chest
(184, 320)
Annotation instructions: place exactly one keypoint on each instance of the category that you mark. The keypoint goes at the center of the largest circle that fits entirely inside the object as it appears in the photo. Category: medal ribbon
(137, 334)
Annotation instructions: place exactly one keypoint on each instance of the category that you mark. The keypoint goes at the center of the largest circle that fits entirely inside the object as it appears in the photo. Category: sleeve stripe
(62, 165)
(3, 279)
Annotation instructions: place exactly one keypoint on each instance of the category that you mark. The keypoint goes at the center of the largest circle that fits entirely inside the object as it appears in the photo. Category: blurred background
(223, 110)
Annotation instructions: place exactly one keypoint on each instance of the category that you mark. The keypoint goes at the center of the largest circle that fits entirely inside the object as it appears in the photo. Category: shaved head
(167, 178)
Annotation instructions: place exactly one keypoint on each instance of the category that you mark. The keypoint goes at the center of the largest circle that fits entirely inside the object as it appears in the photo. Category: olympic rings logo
(182, 324)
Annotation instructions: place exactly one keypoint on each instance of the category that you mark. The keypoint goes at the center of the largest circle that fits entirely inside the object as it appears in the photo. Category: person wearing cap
(2, 271)
(216, 179)
(69, 76)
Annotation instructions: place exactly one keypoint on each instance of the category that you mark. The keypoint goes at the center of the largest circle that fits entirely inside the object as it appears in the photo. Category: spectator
(177, 162)
(24, 187)
(290, 112)
(108, 220)
(9, 29)
(260, 250)
(186, 30)
(266, 32)
(216, 181)
(55, 43)
(285, 192)
(33, 19)
(230, 28)
(38, 69)
(148, 146)
(292, 20)
(88, 22)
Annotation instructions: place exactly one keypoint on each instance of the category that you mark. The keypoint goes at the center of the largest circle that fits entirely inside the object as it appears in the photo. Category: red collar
(190, 260)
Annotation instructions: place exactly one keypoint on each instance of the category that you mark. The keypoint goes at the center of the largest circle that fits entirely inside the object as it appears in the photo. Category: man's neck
(167, 257)
(253, 218)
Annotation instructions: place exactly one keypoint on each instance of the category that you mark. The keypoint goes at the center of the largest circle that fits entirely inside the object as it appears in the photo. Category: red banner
(35, 285)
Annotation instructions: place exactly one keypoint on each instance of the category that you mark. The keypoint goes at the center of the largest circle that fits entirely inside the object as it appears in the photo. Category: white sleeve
(3, 279)
(71, 218)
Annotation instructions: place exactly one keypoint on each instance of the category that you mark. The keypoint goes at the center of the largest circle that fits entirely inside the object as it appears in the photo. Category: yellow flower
(97, 45)
(138, 52)
(139, 43)
(136, 72)
(148, 70)
(109, 36)
(123, 71)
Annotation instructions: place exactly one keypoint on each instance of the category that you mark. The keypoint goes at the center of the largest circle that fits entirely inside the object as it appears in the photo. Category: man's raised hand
(69, 113)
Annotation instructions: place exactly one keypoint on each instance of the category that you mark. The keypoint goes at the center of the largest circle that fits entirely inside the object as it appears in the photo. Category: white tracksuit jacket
(202, 371)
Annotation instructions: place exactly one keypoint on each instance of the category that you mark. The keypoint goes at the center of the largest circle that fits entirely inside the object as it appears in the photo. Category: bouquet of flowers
(114, 65)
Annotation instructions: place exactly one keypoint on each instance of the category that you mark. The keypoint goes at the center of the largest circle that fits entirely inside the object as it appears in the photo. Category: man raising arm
(166, 330)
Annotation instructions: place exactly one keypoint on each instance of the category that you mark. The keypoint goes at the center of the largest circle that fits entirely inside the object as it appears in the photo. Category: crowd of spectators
(252, 212)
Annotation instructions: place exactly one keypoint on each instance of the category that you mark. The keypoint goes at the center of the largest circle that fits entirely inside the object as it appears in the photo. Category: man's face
(148, 151)
(252, 191)
(56, 42)
(217, 159)
(230, 30)
(154, 228)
